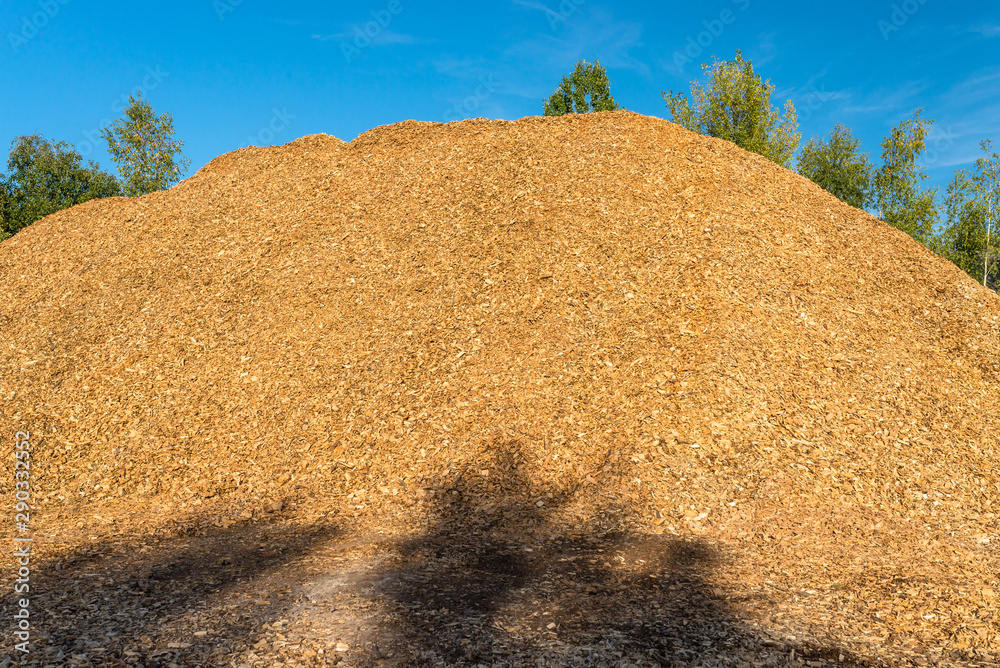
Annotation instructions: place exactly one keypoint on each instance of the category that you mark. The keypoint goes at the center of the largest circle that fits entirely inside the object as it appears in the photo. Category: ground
(292, 585)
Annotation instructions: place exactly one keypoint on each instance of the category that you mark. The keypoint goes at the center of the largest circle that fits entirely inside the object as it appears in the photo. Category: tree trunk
(987, 254)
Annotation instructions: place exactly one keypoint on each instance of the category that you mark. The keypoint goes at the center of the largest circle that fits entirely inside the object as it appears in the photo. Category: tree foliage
(837, 166)
(898, 196)
(735, 105)
(45, 177)
(970, 238)
(142, 144)
(5, 209)
(587, 80)
(964, 234)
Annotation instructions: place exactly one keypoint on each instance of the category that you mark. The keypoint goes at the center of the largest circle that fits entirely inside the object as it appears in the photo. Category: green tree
(735, 105)
(45, 177)
(963, 237)
(4, 208)
(986, 186)
(970, 238)
(588, 79)
(142, 144)
(898, 196)
(836, 165)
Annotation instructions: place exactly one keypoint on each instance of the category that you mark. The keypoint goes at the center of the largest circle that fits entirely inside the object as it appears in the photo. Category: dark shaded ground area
(479, 588)
(491, 580)
(122, 604)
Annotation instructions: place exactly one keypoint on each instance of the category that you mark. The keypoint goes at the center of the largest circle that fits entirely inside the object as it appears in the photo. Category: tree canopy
(898, 196)
(44, 177)
(735, 105)
(970, 237)
(836, 165)
(142, 144)
(588, 80)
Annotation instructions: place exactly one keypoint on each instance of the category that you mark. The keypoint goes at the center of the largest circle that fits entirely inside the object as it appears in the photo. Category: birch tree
(986, 189)
(142, 144)
(898, 196)
(735, 105)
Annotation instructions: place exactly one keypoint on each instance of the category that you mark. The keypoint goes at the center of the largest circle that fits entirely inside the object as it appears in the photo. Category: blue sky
(239, 72)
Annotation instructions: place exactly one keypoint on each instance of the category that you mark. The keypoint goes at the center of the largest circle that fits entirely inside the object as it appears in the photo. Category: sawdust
(561, 326)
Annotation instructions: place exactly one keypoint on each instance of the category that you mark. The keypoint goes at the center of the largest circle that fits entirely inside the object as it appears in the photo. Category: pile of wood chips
(544, 330)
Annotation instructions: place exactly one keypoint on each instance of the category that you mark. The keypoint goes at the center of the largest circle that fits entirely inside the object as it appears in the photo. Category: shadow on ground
(491, 582)
(144, 600)
(491, 579)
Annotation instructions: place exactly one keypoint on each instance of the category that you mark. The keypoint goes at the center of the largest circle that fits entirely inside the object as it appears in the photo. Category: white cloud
(537, 6)
(982, 86)
(587, 33)
(384, 38)
(890, 101)
(462, 68)
(766, 51)
(986, 30)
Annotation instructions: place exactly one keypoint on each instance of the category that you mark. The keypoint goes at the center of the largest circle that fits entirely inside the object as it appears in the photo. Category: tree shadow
(492, 582)
(142, 600)
(489, 580)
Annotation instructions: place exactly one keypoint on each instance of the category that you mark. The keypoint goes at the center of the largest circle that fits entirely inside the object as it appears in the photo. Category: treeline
(45, 176)
(734, 103)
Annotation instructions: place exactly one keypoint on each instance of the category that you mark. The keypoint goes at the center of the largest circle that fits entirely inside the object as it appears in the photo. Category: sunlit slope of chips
(659, 324)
